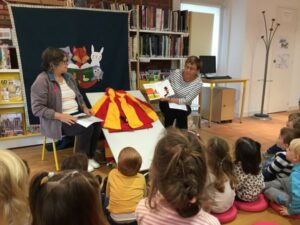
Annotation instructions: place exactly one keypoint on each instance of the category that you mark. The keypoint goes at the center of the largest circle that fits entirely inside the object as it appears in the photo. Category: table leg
(210, 104)
(243, 100)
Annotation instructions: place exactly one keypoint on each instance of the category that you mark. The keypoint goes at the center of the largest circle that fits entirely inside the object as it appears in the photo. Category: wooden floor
(266, 132)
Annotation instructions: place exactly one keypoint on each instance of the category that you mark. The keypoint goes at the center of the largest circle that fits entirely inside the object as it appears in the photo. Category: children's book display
(10, 91)
(157, 90)
(11, 124)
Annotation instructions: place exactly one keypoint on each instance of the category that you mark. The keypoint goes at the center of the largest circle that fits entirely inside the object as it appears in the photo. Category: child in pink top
(177, 180)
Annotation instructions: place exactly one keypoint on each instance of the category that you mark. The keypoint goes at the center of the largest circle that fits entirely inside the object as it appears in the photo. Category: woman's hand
(164, 99)
(65, 118)
(88, 111)
(170, 100)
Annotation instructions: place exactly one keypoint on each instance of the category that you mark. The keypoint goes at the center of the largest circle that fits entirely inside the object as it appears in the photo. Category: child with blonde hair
(177, 180)
(125, 187)
(291, 118)
(285, 191)
(221, 180)
(14, 206)
(247, 171)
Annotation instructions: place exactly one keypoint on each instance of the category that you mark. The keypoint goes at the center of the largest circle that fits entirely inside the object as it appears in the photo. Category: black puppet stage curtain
(96, 42)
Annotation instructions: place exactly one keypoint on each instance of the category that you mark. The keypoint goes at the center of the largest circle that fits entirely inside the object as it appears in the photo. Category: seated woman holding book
(187, 85)
(55, 98)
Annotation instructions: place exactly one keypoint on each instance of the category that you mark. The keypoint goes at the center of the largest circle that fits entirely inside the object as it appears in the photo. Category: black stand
(267, 40)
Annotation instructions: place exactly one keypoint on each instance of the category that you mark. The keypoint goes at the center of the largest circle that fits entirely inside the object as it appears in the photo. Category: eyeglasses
(65, 61)
(190, 67)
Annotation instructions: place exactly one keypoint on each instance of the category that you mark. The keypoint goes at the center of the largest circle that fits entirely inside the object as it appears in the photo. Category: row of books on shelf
(150, 17)
(12, 124)
(162, 46)
(154, 75)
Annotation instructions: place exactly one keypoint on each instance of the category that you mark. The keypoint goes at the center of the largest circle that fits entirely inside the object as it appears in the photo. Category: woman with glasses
(187, 85)
(55, 98)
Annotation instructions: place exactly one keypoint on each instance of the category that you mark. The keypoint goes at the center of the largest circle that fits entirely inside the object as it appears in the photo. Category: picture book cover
(10, 91)
(157, 90)
(11, 124)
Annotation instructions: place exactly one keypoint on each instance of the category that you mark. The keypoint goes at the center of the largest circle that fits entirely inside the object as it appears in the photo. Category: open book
(157, 90)
(86, 120)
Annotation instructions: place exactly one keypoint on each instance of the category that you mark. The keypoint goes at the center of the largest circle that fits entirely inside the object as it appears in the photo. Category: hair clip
(50, 174)
(221, 162)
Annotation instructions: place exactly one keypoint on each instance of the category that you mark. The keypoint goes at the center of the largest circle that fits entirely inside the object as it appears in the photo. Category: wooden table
(213, 82)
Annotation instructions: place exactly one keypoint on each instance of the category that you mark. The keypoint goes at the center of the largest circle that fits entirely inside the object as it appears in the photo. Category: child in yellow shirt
(125, 187)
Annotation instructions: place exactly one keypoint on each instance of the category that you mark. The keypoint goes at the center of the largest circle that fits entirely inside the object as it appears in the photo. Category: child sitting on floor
(285, 136)
(279, 166)
(221, 180)
(250, 180)
(285, 191)
(125, 187)
(77, 161)
(177, 180)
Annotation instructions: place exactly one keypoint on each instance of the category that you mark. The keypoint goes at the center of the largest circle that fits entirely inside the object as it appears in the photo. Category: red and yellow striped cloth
(120, 111)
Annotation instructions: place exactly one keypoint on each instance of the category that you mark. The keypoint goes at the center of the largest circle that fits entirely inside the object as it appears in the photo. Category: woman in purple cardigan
(55, 98)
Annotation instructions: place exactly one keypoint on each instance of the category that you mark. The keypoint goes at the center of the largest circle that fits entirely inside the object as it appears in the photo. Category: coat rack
(267, 40)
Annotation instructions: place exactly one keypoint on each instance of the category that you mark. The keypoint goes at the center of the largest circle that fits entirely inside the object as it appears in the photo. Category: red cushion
(227, 216)
(277, 207)
(265, 223)
(258, 205)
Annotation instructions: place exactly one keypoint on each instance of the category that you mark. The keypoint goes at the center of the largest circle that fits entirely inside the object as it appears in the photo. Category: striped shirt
(281, 167)
(185, 91)
(69, 104)
(164, 215)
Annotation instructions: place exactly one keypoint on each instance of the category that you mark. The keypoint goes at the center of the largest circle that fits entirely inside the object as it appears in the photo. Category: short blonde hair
(129, 161)
(13, 189)
(295, 146)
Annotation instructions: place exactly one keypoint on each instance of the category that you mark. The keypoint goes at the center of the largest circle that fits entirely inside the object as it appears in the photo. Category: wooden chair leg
(44, 146)
(55, 155)
(75, 143)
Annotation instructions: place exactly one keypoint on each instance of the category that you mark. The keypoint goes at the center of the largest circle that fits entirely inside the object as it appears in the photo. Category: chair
(54, 151)
(196, 112)
(256, 206)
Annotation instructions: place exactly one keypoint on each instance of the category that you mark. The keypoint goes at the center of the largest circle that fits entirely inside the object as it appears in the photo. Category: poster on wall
(95, 41)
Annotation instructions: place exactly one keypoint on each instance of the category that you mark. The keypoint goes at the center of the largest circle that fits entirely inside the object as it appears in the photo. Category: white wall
(254, 52)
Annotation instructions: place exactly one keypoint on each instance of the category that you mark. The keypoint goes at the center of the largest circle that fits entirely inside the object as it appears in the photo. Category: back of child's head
(296, 123)
(293, 116)
(220, 162)
(77, 161)
(27, 166)
(178, 172)
(287, 134)
(69, 197)
(129, 161)
(247, 151)
(13, 189)
(295, 146)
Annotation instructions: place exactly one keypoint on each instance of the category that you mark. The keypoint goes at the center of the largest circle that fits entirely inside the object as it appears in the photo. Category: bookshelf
(159, 41)
(12, 98)
(12, 109)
